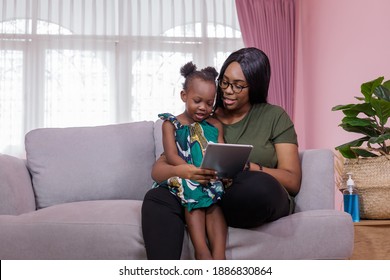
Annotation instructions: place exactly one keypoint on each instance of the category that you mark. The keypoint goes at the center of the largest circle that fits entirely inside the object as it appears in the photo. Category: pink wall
(341, 44)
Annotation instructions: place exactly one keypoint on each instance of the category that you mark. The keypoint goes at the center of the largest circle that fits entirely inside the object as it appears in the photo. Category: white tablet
(226, 159)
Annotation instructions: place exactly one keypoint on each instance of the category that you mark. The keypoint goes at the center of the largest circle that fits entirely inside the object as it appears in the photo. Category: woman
(264, 191)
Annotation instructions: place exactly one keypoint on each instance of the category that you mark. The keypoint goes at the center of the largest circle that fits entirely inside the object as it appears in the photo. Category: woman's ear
(183, 95)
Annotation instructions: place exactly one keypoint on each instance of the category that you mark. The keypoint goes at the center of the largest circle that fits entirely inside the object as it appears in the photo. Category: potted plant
(369, 117)
(368, 157)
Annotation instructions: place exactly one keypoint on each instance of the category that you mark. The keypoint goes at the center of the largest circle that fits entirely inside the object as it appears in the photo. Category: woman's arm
(288, 172)
(162, 170)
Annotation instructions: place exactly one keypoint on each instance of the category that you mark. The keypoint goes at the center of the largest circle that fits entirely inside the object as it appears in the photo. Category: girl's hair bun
(189, 72)
(187, 69)
(210, 71)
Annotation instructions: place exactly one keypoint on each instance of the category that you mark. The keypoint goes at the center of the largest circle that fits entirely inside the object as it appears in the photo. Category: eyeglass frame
(232, 85)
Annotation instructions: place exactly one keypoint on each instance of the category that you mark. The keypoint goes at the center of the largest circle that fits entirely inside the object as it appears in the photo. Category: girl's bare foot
(203, 256)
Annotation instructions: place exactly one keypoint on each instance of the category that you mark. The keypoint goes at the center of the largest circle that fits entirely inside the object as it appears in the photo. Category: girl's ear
(183, 95)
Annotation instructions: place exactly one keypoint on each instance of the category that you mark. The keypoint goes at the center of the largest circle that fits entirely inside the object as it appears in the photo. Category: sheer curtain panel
(96, 62)
(270, 26)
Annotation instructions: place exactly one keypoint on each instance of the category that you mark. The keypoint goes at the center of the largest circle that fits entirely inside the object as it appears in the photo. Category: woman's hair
(189, 72)
(257, 71)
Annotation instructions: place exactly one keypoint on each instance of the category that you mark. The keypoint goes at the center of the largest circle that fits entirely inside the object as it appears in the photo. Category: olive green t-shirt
(264, 126)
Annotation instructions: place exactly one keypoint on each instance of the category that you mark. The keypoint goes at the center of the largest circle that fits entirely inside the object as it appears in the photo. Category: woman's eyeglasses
(235, 87)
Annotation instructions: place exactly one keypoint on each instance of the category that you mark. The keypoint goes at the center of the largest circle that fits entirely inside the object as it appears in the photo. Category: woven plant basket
(372, 180)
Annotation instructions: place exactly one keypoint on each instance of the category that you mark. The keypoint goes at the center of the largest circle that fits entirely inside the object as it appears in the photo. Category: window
(95, 62)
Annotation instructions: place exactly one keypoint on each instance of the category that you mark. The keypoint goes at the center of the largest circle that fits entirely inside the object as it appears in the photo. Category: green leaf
(386, 84)
(366, 130)
(383, 92)
(368, 88)
(346, 152)
(356, 142)
(345, 149)
(342, 107)
(352, 110)
(363, 152)
(354, 121)
(382, 108)
(365, 108)
(380, 139)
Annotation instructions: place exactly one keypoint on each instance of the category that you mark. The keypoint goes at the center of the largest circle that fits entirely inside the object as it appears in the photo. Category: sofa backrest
(115, 161)
(90, 163)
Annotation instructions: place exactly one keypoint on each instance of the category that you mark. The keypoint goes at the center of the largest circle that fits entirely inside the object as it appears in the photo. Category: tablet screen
(226, 159)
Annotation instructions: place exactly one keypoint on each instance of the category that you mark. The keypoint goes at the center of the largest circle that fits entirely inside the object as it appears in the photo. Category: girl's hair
(189, 72)
(257, 71)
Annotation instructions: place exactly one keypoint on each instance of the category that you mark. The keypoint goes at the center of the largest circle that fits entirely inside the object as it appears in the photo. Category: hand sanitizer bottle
(351, 200)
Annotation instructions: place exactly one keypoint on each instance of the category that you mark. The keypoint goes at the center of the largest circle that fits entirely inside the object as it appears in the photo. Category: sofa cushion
(90, 163)
(89, 230)
(85, 230)
(298, 236)
(112, 229)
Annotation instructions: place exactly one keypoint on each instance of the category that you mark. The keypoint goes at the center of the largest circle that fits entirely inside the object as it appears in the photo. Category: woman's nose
(228, 92)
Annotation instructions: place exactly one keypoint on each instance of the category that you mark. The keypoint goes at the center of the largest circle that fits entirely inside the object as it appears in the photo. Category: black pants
(253, 199)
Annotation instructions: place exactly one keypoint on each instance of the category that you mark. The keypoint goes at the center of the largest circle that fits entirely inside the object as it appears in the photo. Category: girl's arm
(162, 170)
(169, 144)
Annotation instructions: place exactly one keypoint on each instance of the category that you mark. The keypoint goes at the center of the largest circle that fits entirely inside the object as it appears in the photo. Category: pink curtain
(270, 26)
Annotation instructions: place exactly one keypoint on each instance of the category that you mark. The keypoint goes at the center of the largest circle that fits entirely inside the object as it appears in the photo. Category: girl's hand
(189, 171)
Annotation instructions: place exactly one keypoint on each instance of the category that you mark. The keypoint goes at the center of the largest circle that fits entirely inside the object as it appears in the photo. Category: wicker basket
(372, 180)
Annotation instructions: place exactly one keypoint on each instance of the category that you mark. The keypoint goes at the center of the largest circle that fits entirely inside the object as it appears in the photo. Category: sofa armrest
(16, 192)
(318, 183)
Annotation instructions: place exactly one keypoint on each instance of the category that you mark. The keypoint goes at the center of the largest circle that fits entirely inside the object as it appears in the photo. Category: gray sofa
(79, 193)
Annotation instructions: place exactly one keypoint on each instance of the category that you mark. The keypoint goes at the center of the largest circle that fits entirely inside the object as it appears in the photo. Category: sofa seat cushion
(313, 234)
(111, 229)
(90, 163)
(105, 229)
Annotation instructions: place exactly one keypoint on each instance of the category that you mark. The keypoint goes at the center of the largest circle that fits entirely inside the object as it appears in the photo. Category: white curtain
(95, 62)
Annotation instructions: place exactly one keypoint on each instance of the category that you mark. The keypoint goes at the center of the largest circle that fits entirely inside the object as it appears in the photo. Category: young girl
(185, 138)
